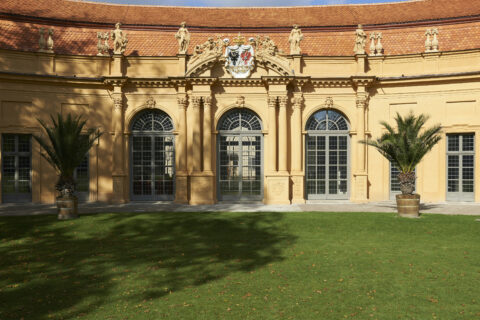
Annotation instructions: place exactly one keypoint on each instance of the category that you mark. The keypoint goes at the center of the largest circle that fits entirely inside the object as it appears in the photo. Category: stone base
(181, 189)
(118, 194)
(202, 188)
(360, 188)
(298, 189)
(277, 189)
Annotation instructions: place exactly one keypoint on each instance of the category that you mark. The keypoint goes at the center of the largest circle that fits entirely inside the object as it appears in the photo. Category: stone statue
(372, 43)
(360, 40)
(379, 46)
(103, 46)
(50, 40)
(183, 38)
(41, 41)
(295, 37)
(435, 40)
(431, 44)
(119, 40)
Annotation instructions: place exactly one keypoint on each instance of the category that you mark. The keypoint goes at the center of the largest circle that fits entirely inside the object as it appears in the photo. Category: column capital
(117, 101)
(182, 101)
(297, 101)
(362, 100)
(282, 101)
(207, 101)
(272, 101)
(196, 101)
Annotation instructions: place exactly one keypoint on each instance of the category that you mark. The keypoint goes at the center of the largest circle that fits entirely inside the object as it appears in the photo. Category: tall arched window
(327, 156)
(240, 160)
(152, 156)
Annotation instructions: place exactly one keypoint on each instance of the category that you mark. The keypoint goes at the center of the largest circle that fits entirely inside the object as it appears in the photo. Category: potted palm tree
(405, 147)
(65, 145)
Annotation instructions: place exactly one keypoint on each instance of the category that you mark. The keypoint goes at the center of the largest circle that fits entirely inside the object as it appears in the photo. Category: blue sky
(242, 3)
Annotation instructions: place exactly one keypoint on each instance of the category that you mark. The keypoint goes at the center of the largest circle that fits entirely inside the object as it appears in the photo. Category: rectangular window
(460, 167)
(82, 178)
(16, 168)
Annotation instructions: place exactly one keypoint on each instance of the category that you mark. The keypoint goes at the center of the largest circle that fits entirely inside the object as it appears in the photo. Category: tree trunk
(407, 182)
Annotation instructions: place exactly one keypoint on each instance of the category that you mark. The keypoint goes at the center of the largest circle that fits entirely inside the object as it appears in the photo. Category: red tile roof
(73, 37)
(332, 15)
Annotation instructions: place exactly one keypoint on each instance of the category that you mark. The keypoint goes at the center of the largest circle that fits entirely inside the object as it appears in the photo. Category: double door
(240, 167)
(153, 167)
(327, 166)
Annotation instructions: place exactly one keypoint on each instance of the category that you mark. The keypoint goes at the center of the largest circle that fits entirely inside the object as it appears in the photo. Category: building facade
(236, 104)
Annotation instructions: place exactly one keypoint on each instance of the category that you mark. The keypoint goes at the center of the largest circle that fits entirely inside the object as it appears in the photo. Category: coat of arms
(239, 58)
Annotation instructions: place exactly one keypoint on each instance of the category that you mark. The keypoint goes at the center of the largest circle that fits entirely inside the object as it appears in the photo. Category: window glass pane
(468, 142)
(453, 142)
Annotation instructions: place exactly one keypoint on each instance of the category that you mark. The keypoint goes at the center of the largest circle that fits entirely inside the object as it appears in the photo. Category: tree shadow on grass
(68, 269)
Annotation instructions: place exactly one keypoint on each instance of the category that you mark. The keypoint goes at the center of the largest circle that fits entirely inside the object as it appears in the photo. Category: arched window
(326, 120)
(152, 156)
(240, 119)
(327, 156)
(153, 120)
(240, 165)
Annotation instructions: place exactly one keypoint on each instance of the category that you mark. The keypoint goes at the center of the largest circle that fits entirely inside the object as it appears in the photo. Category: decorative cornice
(269, 80)
(202, 80)
(362, 81)
(242, 82)
(115, 81)
(152, 83)
(332, 83)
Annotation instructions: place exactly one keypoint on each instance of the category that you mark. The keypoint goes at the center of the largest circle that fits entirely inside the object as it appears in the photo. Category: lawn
(240, 266)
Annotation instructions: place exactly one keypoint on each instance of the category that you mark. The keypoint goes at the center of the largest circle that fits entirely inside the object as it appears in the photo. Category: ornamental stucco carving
(431, 43)
(360, 40)
(102, 45)
(183, 38)
(150, 103)
(295, 37)
(240, 102)
(119, 38)
(328, 103)
(263, 49)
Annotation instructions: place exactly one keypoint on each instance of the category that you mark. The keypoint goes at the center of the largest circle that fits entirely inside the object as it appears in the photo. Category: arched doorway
(152, 157)
(327, 156)
(240, 156)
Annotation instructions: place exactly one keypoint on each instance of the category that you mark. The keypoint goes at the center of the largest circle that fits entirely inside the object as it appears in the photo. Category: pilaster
(297, 175)
(181, 174)
(360, 173)
(282, 135)
(119, 183)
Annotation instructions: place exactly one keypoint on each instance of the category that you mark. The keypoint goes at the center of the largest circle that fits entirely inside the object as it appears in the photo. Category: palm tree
(406, 145)
(65, 147)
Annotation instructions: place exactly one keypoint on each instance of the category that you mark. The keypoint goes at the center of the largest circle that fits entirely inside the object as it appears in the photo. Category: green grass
(240, 266)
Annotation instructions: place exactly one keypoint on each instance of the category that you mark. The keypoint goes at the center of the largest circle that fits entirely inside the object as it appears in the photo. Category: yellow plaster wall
(452, 101)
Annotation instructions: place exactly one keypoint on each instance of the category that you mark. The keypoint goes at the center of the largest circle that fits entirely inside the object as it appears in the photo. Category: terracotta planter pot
(408, 205)
(67, 208)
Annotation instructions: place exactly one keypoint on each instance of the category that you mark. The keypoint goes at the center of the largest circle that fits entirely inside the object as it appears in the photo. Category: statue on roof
(183, 38)
(295, 37)
(119, 40)
(360, 40)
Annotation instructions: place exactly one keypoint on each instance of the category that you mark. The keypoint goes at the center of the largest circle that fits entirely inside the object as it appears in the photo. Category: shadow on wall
(73, 268)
